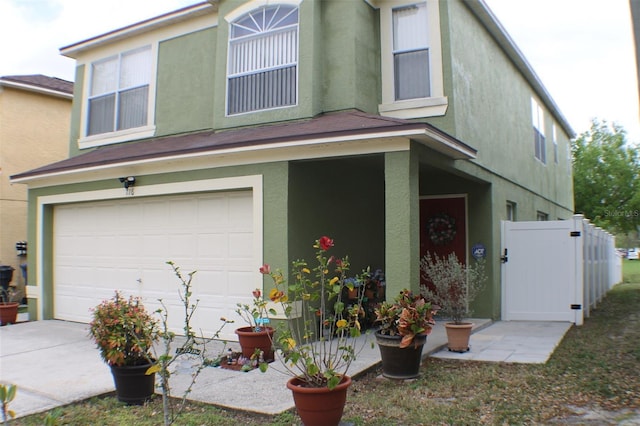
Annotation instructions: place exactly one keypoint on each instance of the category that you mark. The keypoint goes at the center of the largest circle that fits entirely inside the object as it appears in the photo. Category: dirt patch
(597, 416)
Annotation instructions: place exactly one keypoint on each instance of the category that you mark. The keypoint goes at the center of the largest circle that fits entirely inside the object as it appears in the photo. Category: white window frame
(511, 211)
(434, 105)
(554, 135)
(542, 216)
(117, 136)
(537, 121)
(236, 15)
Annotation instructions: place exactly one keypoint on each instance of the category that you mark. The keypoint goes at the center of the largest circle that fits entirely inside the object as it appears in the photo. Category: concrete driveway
(55, 363)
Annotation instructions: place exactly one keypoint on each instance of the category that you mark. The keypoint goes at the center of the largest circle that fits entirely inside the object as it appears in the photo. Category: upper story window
(411, 52)
(511, 211)
(119, 92)
(555, 143)
(411, 49)
(262, 68)
(539, 141)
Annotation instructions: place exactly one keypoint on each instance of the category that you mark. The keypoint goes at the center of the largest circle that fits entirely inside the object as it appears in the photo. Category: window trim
(437, 103)
(511, 208)
(85, 141)
(240, 12)
(538, 124)
(542, 216)
(554, 135)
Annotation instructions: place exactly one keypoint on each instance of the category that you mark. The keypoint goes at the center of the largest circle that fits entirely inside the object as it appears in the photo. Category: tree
(606, 178)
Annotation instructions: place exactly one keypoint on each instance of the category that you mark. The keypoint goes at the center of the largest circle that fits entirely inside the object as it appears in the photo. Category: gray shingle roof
(344, 124)
(41, 81)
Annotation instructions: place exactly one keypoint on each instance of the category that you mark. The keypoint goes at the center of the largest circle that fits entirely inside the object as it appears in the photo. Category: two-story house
(234, 133)
(35, 112)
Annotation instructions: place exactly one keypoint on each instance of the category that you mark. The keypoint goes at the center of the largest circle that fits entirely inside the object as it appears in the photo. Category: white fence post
(578, 274)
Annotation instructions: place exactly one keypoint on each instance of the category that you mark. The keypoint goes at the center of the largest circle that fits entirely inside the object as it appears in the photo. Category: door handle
(504, 258)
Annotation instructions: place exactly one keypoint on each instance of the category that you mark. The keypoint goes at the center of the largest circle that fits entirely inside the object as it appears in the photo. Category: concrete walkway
(55, 363)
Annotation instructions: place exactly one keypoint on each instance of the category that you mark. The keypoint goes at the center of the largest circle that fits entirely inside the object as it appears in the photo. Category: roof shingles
(41, 81)
(340, 124)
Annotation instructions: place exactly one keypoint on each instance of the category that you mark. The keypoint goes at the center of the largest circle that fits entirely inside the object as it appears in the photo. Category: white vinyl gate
(555, 270)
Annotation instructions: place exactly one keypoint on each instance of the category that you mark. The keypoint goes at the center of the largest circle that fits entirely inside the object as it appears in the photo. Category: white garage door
(124, 244)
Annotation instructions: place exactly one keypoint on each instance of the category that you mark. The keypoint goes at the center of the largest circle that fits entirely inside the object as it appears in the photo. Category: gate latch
(504, 258)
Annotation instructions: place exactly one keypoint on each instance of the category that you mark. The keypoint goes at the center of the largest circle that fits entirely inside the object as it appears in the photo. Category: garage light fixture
(128, 183)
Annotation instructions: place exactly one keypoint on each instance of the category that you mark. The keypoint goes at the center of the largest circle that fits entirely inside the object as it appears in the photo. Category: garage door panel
(124, 244)
(240, 245)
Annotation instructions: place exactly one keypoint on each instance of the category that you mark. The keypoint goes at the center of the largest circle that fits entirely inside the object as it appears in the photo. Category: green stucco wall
(351, 39)
(76, 112)
(402, 223)
(342, 199)
(184, 95)
(491, 109)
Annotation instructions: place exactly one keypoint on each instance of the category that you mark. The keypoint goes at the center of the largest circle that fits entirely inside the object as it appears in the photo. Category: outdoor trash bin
(6, 275)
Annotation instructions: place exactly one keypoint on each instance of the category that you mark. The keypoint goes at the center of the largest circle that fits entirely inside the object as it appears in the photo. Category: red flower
(325, 243)
(265, 269)
(256, 293)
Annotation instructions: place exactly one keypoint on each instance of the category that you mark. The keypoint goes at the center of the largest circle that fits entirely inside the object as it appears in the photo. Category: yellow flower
(341, 323)
(306, 270)
(334, 280)
(289, 343)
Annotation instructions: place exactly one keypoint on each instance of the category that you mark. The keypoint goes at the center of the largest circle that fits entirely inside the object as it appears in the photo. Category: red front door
(443, 227)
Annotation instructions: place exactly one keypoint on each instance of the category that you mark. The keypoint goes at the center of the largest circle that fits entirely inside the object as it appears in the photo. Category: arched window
(262, 69)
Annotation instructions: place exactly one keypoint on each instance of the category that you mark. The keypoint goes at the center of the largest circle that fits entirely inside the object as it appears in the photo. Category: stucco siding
(351, 49)
(185, 93)
(491, 103)
(34, 131)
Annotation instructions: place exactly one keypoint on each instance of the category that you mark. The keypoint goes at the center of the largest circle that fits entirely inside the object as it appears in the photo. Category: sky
(582, 50)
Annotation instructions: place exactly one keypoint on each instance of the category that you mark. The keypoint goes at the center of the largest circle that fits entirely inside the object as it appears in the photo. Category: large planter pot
(8, 312)
(133, 385)
(251, 340)
(458, 336)
(400, 363)
(319, 406)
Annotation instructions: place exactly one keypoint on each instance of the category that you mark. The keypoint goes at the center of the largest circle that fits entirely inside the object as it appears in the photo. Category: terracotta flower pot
(400, 363)
(458, 336)
(8, 312)
(251, 340)
(319, 406)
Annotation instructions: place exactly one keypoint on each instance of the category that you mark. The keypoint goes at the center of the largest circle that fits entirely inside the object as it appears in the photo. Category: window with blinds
(263, 60)
(411, 52)
(539, 140)
(119, 92)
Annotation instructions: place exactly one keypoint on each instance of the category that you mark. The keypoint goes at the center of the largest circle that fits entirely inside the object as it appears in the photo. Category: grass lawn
(593, 371)
(631, 271)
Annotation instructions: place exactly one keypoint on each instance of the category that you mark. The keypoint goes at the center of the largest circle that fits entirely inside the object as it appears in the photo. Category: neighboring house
(234, 133)
(35, 112)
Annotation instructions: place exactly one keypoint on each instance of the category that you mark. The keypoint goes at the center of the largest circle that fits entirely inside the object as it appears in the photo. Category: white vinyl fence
(601, 264)
(556, 270)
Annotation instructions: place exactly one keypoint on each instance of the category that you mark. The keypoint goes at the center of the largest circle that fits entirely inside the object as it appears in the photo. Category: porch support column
(402, 224)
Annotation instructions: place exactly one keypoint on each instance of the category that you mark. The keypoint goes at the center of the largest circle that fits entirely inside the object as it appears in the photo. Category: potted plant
(257, 336)
(7, 395)
(8, 306)
(404, 326)
(453, 286)
(125, 332)
(317, 362)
